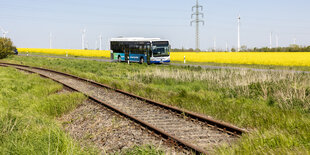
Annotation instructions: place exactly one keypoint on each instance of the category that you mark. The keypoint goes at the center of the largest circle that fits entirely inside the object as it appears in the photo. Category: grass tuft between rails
(28, 106)
(273, 106)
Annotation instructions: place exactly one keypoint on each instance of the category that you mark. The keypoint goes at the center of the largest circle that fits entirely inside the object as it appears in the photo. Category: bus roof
(137, 39)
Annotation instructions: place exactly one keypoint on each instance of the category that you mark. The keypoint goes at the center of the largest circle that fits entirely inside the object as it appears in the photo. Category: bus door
(126, 55)
(148, 55)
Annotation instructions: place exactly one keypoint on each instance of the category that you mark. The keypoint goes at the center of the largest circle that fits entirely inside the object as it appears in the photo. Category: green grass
(296, 68)
(28, 108)
(273, 106)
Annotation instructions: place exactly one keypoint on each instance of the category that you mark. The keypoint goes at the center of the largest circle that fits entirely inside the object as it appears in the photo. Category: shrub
(6, 47)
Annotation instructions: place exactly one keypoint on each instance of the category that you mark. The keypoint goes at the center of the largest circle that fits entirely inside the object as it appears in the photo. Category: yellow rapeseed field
(263, 58)
(74, 52)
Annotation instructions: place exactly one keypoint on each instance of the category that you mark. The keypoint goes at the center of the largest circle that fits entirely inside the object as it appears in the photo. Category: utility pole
(239, 45)
(83, 38)
(197, 13)
(50, 40)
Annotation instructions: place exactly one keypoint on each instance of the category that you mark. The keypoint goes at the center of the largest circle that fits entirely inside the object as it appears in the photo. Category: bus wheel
(141, 60)
(119, 59)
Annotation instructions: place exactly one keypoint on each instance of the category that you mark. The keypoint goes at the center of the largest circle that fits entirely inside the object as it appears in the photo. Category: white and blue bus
(142, 50)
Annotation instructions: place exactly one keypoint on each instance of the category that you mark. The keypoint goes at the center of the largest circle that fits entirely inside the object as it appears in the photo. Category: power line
(197, 13)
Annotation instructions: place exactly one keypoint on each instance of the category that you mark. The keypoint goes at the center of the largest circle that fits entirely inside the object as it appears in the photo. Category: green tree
(6, 47)
(244, 48)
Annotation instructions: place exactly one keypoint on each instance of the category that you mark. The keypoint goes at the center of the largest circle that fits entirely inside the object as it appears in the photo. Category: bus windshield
(159, 51)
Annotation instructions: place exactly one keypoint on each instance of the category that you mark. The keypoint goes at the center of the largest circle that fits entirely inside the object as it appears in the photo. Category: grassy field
(254, 66)
(28, 106)
(273, 106)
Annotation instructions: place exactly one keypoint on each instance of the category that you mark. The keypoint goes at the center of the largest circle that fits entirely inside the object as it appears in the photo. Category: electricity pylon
(197, 13)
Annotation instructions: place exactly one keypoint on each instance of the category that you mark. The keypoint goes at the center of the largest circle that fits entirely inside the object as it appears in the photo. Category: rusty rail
(225, 127)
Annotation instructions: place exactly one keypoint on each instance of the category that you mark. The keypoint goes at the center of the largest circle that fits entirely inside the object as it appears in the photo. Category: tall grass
(273, 106)
(28, 106)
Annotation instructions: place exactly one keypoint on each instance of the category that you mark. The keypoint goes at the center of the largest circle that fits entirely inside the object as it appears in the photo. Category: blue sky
(29, 22)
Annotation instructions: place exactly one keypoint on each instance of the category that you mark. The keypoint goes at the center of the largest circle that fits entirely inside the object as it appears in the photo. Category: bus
(142, 50)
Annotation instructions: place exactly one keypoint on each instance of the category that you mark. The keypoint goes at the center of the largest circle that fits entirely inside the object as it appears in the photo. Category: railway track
(194, 132)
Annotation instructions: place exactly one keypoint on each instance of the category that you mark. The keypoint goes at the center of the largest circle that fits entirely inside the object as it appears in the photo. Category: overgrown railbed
(28, 108)
(274, 106)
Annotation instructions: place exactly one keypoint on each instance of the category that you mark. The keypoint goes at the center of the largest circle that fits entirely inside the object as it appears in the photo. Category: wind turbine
(100, 41)
(50, 40)
(87, 45)
(270, 43)
(4, 32)
(277, 40)
(83, 38)
(214, 44)
(239, 46)
(227, 47)
(96, 45)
